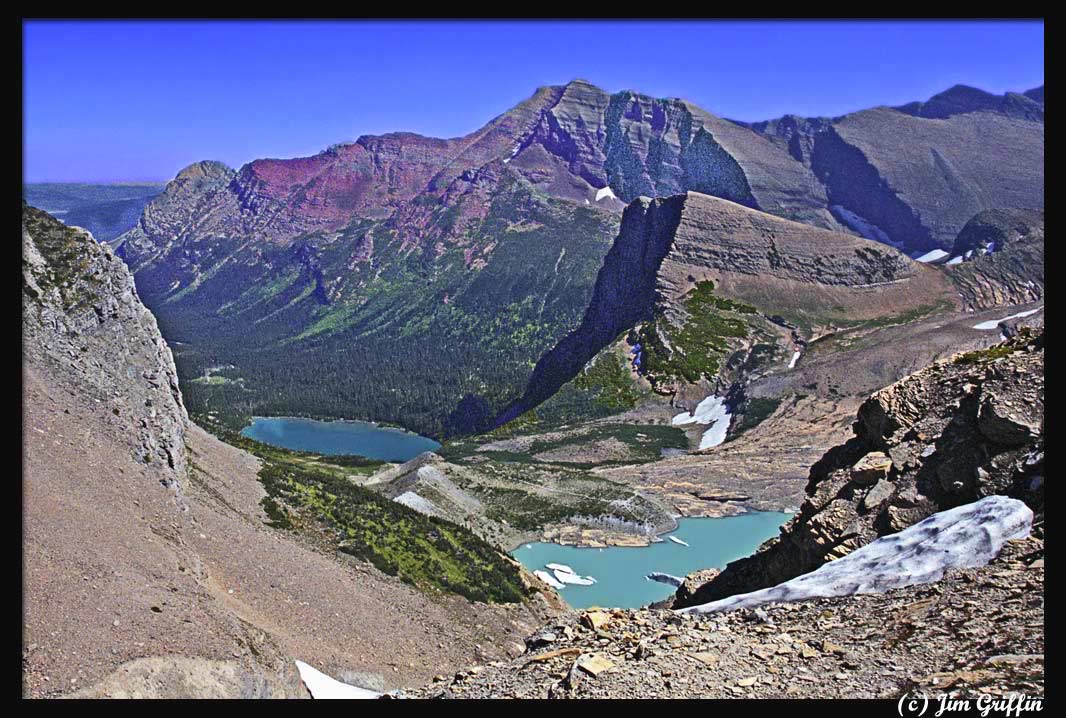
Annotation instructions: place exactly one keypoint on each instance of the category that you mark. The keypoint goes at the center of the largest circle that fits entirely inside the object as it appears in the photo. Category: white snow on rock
(712, 411)
(993, 323)
(566, 577)
(963, 537)
(514, 152)
(863, 226)
(931, 256)
(548, 579)
(675, 539)
(604, 192)
(560, 567)
(795, 358)
(666, 578)
(320, 686)
(954, 260)
(715, 435)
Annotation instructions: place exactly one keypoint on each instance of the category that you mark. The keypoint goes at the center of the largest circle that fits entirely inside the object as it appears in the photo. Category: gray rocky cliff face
(83, 321)
(624, 295)
(1003, 251)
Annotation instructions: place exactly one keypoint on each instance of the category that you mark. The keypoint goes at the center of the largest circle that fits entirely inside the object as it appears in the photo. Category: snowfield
(712, 411)
(931, 256)
(604, 192)
(867, 229)
(993, 323)
(320, 686)
(963, 537)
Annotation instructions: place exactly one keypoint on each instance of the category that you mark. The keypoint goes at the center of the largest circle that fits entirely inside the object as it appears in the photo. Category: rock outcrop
(82, 319)
(964, 428)
(1002, 258)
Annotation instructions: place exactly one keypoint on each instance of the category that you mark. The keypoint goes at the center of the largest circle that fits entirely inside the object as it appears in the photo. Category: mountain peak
(204, 169)
(960, 99)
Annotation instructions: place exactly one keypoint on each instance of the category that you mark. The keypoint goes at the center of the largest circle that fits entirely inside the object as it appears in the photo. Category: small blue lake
(620, 571)
(339, 437)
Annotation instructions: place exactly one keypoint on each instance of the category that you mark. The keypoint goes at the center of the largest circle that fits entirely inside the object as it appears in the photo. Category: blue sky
(108, 101)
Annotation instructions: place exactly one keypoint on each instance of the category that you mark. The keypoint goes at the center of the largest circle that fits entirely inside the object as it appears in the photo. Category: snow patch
(320, 686)
(604, 192)
(713, 412)
(963, 537)
(954, 260)
(706, 412)
(867, 229)
(795, 358)
(993, 323)
(931, 256)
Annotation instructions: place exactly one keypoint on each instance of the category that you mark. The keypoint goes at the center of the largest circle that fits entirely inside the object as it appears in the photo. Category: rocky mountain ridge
(398, 242)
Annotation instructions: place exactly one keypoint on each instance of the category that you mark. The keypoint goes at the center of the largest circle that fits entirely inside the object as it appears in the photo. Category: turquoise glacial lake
(339, 437)
(620, 571)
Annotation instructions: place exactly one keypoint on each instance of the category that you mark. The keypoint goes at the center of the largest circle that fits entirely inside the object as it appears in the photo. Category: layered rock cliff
(964, 428)
(1001, 254)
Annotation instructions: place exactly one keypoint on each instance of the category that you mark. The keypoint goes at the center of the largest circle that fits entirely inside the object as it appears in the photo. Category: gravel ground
(977, 631)
(125, 593)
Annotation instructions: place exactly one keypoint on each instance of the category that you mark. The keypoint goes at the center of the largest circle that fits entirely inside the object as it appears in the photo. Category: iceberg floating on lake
(548, 579)
(566, 577)
(559, 567)
(675, 539)
(320, 686)
(963, 537)
(666, 578)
